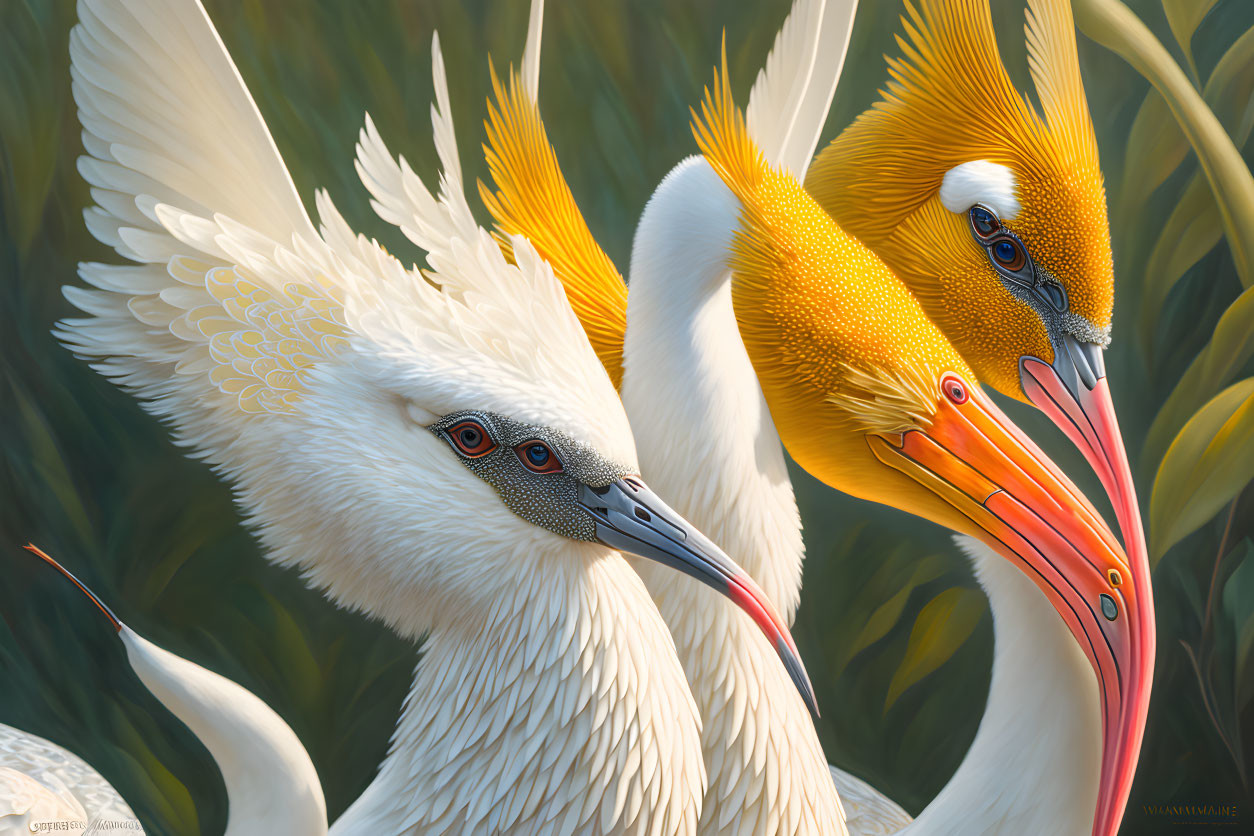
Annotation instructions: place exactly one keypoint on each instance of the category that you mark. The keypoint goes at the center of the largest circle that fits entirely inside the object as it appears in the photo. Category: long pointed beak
(632, 518)
(1022, 506)
(108, 613)
(1075, 394)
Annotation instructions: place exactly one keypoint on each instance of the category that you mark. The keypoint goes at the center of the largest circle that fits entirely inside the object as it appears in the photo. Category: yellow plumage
(533, 200)
(950, 101)
(840, 347)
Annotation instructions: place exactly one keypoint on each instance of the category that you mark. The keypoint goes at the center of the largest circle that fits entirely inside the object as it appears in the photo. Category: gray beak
(631, 518)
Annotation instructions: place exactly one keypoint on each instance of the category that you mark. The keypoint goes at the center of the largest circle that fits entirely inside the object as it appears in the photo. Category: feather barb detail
(533, 199)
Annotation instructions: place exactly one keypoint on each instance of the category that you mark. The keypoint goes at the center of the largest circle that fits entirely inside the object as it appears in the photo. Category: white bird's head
(421, 443)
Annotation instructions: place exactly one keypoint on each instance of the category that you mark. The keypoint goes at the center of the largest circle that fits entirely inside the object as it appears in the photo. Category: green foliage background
(894, 628)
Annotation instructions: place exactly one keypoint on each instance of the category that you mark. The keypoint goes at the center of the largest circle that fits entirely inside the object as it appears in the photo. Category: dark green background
(97, 483)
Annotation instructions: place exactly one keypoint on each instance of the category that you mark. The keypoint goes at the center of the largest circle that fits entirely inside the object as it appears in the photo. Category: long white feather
(792, 94)
(531, 53)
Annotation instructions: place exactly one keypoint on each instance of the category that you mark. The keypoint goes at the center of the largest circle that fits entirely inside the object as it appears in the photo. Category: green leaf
(943, 625)
(1238, 605)
(1184, 16)
(1210, 460)
(1113, 25)
(887, 614)
(1155, 149)
(1219, 360)
(1192, 231)
(1195, 226)
(1229, 89)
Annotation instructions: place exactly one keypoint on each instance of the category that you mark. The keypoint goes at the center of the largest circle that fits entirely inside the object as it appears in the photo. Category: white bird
(690, 389)
(271, 784)
(439, 448)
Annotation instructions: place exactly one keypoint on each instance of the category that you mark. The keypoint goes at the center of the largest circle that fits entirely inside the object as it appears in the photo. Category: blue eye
(1009, 255)
(983, 221)
(537, 457)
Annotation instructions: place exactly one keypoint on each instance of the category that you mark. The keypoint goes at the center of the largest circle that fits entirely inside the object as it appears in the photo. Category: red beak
(1075, 394)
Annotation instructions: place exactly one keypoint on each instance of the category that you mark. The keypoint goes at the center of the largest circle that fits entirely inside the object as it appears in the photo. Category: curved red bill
(1087, 416)
(1025, 508)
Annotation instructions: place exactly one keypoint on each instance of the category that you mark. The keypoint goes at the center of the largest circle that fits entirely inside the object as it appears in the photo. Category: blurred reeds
(893, 626)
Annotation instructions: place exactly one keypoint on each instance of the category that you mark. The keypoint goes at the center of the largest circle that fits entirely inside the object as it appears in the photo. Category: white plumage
(686, 373)
(43, 782)
(980, 181)
(691, 392)
(270, 782)
(303, 363)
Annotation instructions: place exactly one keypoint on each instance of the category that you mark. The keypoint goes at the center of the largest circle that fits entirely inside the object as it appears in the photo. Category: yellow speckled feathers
(533, 199)
(824, 321)
(950, 101)
(950, 86)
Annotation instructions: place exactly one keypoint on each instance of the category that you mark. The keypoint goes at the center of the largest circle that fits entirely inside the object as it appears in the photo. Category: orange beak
(1022, 506)
(1075, 394)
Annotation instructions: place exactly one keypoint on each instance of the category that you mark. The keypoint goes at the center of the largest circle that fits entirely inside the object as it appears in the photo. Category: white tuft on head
(980, 181)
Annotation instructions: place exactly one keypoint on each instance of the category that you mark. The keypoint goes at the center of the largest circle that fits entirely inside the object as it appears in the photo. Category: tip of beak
(82, 587)
(797, 673)
(748, 596)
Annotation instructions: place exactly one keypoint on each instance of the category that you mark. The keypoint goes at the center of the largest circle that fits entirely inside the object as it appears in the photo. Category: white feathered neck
(565, 711)
(271, 785)
(1034, 764)
(707, 442)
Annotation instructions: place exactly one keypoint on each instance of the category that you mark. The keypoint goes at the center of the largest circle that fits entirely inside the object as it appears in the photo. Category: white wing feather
(235, 297)
(166, 114)
(399, 195)
(868, 812)
(531, 53)
(792, 94)
(40, 778)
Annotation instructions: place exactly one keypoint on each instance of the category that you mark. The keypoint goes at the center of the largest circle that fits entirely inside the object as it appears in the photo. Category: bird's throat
(519, 721)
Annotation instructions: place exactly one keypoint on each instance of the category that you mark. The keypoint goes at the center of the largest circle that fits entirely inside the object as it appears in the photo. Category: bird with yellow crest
(811, 339)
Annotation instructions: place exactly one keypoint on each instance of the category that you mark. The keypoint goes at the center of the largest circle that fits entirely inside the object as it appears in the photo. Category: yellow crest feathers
(723, 137)
(950, 86)
(950, 102)
(1055, 66)
(534, 200)
(830, 330)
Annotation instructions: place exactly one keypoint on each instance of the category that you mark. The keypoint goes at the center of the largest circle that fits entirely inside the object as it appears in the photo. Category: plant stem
(1214, 573)
(1116, 27)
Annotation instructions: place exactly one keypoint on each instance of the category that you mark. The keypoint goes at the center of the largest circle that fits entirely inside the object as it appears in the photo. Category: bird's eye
(954, 389)
(1009, 254)
(470, 439)
(984, 222)
(537, 457)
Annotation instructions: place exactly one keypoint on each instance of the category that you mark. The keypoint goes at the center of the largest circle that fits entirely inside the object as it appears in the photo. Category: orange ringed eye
(954, 389)
(537, 457)
(1009, 254)
(470, 439)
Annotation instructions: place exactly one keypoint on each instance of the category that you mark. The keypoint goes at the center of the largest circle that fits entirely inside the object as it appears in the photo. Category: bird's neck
(564, 710)
(1036, 758)
(707, 443)
(271, 785)
(702, 427)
